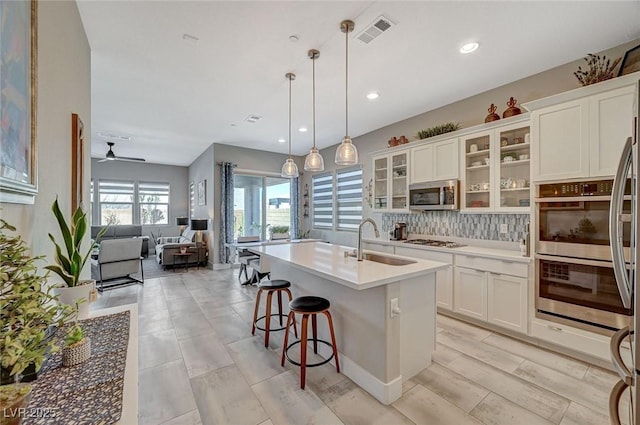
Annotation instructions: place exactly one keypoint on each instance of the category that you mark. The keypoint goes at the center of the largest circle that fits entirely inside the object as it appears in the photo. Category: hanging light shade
(314, 161)
(347, 153)
(289, 168)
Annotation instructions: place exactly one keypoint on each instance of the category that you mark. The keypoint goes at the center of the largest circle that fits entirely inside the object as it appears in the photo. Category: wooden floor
(199, 364)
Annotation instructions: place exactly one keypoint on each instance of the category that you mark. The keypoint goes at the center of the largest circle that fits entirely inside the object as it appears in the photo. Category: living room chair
(118, 259)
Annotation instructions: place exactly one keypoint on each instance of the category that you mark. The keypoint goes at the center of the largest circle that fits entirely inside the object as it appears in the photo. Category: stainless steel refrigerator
(628, 364)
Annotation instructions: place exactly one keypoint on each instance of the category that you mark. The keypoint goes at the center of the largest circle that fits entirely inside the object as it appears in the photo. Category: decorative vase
(13, 409)
(70, 294)
(492, 114)
(77, 353)
(393, 142)
(512, 108)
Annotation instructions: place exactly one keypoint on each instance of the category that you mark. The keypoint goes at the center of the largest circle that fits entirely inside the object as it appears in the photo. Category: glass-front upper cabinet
(497, 170)
(391, 182)
(476, 188)
(514, 171)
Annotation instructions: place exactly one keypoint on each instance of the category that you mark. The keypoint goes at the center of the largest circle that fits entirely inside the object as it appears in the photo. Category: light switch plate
(504, 228)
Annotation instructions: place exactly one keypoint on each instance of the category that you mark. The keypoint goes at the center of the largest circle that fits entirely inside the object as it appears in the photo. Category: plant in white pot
(70, 260)
(279, 232)
(28, 312)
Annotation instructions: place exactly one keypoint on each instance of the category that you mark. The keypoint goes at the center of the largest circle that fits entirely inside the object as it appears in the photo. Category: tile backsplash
(452, 223)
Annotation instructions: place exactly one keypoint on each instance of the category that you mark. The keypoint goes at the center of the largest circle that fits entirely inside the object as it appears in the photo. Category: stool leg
(303, 351)
(240, 272)
(295, 327)
(255, 312)
(314, 327)
(333, 340)
(290, 318)
(267, 325)
(280, 307)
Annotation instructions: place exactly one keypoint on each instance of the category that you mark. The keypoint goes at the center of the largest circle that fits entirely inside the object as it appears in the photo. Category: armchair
(117, 259)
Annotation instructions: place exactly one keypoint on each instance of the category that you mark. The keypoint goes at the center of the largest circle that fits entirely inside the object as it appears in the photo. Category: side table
(184, 256)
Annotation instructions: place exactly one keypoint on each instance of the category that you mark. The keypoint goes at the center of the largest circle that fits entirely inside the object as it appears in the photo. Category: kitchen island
(379, 346)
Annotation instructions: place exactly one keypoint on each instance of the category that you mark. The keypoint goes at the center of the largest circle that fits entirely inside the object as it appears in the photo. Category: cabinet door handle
(555, 328)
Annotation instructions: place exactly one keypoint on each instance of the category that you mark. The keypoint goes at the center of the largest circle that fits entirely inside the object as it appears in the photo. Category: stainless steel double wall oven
(575, 277)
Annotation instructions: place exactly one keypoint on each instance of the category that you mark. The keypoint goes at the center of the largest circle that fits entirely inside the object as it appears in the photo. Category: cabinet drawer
(575, 339)
(512, 268)
(424, 254)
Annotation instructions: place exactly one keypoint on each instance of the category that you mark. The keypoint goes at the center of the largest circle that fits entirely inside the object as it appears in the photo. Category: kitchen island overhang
(379, 348)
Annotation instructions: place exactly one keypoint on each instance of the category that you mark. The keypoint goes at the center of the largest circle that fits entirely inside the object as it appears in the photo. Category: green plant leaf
(64, 228)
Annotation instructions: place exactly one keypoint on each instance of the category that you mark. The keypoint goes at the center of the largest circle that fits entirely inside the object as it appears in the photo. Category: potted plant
(70, 259)
(77, 346)
(28, 311)
(279, 232)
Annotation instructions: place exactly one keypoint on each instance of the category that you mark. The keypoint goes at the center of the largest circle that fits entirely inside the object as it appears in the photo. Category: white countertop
(328, 261)
(481, 251)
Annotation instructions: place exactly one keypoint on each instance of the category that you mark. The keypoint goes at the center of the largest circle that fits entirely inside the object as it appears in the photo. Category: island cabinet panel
(444, 278)
(378, 247)
(470, 293)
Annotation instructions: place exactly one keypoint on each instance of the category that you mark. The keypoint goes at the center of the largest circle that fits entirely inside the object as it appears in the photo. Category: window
(322, 201)
(344, 196)
(116, 202)
(153, 199)
(260, 202)
(349, 198)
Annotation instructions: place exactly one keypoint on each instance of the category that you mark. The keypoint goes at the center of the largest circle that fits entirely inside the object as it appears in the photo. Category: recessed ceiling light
(281, 140)
(293, 38)
(190, 38)
(302, 129)
(469, 47)
(253, 118)
(373, 95)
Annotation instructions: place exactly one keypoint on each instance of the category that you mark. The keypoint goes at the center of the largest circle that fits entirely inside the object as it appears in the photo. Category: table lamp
(182, 222)
(199, 226)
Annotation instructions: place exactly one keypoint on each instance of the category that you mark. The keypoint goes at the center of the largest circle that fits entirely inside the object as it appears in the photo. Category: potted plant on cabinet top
(70, 260)
(28, 312)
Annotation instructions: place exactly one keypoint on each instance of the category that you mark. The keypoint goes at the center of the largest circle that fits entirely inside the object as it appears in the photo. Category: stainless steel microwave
(438, 195)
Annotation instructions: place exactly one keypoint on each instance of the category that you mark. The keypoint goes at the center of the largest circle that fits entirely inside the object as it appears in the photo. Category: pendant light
(347, 153)
(314, 161)
(289, 168)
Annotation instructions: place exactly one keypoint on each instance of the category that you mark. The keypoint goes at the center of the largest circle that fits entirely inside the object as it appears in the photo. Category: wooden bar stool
(278, 286)
(309, 306)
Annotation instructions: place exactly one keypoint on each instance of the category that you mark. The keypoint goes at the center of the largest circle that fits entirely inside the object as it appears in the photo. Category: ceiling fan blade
(104, 160)
(127, 158)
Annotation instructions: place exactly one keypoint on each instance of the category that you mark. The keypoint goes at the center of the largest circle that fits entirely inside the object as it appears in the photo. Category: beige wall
(468, 112)
(199, 170)
(64, 87)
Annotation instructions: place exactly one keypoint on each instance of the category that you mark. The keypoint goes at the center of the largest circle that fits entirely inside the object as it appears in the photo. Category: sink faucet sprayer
(375, 228)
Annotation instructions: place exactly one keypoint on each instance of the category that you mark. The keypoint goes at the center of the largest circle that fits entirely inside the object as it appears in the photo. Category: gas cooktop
(432, 242)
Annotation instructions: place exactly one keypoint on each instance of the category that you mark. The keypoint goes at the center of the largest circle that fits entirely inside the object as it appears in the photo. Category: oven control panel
(591, 188)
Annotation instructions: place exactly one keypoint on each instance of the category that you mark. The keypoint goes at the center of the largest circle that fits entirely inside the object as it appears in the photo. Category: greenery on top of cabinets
(438, 129)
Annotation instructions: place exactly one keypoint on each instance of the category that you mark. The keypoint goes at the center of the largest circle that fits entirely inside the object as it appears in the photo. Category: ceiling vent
(253, 118)
(373, 30)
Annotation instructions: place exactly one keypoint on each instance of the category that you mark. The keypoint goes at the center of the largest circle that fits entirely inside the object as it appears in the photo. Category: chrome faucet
(375, 228)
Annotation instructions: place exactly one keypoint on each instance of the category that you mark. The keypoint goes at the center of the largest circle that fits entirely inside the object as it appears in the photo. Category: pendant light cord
(346, 84)
(290, 78)
(313, 77)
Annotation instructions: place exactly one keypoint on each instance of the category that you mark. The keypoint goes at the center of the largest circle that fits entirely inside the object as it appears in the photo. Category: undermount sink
(392, 261)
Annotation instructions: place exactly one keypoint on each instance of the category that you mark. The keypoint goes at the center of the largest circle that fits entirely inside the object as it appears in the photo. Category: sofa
(168, 246)
(120, 232)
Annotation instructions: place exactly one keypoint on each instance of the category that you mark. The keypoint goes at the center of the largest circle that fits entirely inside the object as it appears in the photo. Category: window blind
(322, 197)
(349, 198)
(153, 200)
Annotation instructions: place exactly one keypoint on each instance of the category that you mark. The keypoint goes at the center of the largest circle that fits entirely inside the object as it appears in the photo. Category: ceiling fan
(110, 156)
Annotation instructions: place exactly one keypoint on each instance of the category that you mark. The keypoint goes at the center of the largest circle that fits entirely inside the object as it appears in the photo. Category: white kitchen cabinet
(444, 278)
(435, 161)
(507, 301)
(582, 137)
(497, 173)
(391, 182)
(470, 293)
(380, 247)
(491, 290)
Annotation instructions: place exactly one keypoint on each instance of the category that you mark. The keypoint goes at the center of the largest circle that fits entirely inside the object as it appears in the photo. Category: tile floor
(199, 364)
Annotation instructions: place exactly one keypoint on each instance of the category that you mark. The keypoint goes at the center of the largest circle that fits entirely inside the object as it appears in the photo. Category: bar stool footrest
(286, 353)
(273, 329)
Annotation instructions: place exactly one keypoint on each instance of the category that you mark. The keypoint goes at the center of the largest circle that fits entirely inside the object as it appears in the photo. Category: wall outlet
(504, 228)
(395, 308)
